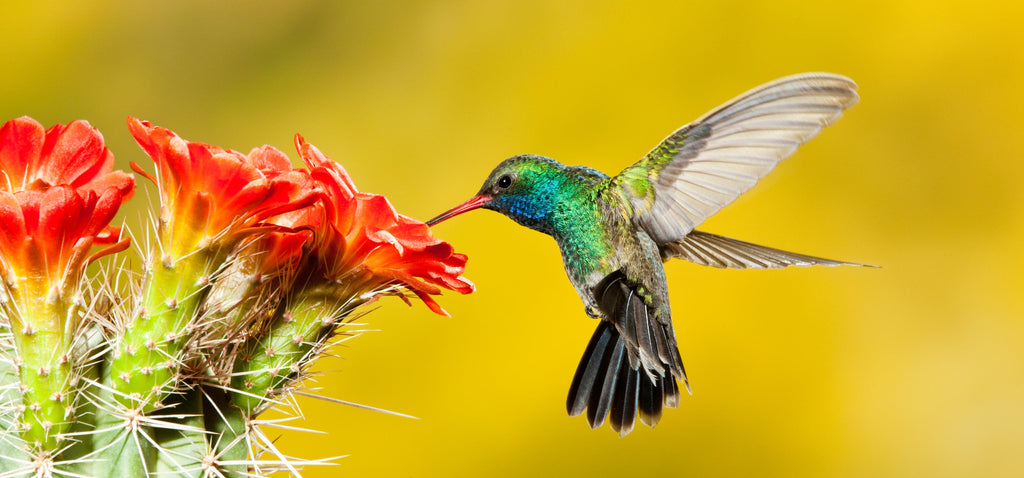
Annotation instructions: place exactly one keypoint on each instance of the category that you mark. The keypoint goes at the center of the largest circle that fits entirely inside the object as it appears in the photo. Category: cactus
(252, 267)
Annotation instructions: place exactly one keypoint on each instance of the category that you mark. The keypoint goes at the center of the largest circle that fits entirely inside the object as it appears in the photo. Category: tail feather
(624, 403)
(650, 402)
(645, 335)
(671, 392)
(586, 373)
(606, 385)
(601, 402)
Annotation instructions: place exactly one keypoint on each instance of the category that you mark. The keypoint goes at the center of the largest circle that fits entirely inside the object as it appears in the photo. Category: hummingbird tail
(607, 385)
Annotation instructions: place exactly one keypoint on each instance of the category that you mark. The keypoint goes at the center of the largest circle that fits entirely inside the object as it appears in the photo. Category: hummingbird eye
(505, 181)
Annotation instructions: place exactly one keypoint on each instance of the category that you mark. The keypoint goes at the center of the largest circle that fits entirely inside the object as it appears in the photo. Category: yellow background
(914, 369)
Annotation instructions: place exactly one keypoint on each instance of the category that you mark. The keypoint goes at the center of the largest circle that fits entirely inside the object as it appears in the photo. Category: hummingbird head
(525, 188)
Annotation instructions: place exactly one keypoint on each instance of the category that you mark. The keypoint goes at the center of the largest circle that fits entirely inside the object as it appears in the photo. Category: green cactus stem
(147, 358)
(301, 326)
(42, 322)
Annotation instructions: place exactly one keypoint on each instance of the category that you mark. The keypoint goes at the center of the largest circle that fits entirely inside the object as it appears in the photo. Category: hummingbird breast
(597, 238)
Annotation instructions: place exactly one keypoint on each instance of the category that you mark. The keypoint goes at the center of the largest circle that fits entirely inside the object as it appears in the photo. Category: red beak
(475, 202)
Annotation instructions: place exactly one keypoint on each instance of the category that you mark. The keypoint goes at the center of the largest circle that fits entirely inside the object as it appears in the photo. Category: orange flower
(360, 249)
(213, 194)
(57, 198)
(363, 239)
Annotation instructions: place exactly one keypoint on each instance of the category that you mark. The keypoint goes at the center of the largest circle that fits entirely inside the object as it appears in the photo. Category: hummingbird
(615, 232)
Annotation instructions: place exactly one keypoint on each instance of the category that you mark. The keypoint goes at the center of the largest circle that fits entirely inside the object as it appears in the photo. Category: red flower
(365, 241)
(57, 198)
(210, 193)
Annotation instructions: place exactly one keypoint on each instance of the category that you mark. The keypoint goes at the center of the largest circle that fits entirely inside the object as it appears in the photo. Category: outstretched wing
(707, 164)
(723, 252)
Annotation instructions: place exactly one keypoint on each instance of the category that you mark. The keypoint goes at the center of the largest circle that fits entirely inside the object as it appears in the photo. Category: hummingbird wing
(718, 251)
(707, 164)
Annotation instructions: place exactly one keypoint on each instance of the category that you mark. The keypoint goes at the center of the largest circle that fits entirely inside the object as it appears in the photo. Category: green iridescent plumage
(615, 232)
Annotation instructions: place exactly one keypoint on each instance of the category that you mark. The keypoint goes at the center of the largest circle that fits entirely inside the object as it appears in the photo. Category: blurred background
(914, 369)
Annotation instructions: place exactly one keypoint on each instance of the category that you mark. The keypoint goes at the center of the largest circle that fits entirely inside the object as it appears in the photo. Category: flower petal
(12, 227)
(73, 155)
(270, 159)
(123, 182)
(21, 141)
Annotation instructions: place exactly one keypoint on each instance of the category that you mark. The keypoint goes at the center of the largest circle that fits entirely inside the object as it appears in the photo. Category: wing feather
(723, 252)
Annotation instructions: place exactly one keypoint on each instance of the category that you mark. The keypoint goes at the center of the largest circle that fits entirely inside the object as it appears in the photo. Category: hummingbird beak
(477, 201)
